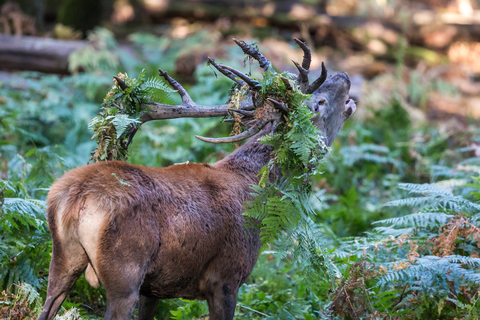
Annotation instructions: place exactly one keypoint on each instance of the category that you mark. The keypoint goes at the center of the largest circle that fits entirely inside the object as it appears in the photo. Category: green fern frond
(122, 110)
(428, 270)
(425, 188)
(27, 212)
(364, 152)
(418, 220)
(434, 197)
(158, 91)
(122, 122)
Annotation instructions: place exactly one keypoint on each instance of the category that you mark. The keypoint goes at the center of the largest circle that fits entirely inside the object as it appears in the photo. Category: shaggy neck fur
(249, 159)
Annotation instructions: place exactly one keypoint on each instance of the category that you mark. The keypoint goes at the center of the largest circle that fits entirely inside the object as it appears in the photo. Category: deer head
(328, 101)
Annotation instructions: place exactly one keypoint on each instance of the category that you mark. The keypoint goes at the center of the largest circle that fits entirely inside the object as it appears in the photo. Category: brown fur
(175, 231)
(164, 232)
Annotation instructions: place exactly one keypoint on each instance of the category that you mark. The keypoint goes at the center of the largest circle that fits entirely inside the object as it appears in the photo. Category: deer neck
(249, 159)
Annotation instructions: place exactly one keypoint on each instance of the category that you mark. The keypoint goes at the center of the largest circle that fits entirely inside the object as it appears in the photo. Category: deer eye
(320, 102)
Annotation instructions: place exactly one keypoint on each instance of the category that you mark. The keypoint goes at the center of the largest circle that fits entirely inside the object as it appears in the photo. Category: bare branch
(317, 83)
(307, 55)
(254, 126)
(239, 137)
(248, 123)
(255, 85)
(254, 53)
(225, 72)
(247, 104)
(130, 134)
(274, 127)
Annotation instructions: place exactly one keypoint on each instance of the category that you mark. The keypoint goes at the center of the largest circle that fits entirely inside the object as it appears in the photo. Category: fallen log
(36, 54)
(51, 55)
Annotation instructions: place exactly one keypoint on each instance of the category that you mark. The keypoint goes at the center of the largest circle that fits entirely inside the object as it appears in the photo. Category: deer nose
(344, 75)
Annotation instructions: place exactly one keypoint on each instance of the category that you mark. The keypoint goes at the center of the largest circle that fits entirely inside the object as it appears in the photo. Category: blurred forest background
(397, 204)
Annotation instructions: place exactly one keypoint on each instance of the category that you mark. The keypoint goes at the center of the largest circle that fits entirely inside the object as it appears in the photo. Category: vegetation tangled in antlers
(116, 125)
(277, 98)
(132, 102)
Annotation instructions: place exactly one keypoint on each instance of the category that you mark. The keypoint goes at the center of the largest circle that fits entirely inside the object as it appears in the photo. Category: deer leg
(121, 308)
(122, 279)
(62, 276)
(122, 285)
(147, 308)
(221, 305)
(124, 260)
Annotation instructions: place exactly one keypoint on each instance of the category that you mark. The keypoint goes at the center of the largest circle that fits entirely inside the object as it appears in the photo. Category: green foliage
(346, 256)
(71, 314)
(275, 290)
(20, 301)
(162, 143)
(429, 258)
(44, 132)
(434, 198)
(115, 126)
(99, 55)
(297, 150)
(189, 309)
(24, 240)
(281, 203)
(369, 152)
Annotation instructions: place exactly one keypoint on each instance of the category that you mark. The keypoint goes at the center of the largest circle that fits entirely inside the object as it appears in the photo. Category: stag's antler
(252, 118)
(303, 70)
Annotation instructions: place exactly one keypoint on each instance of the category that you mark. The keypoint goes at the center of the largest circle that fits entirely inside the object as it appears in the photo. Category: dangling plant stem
(281, 203)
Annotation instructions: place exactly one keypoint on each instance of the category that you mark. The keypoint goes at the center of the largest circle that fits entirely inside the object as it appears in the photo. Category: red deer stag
(176, 231)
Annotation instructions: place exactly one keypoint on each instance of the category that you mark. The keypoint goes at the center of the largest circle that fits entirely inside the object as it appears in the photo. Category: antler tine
(317, 83)
(252, 83)
(302, 79)
(177, 86)
(225, 72)
(243, 112)
(278, 105)
(287, 83)
(121, 83)
(253, 126)
(246, 123)
(307, 54)
(254, 53)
